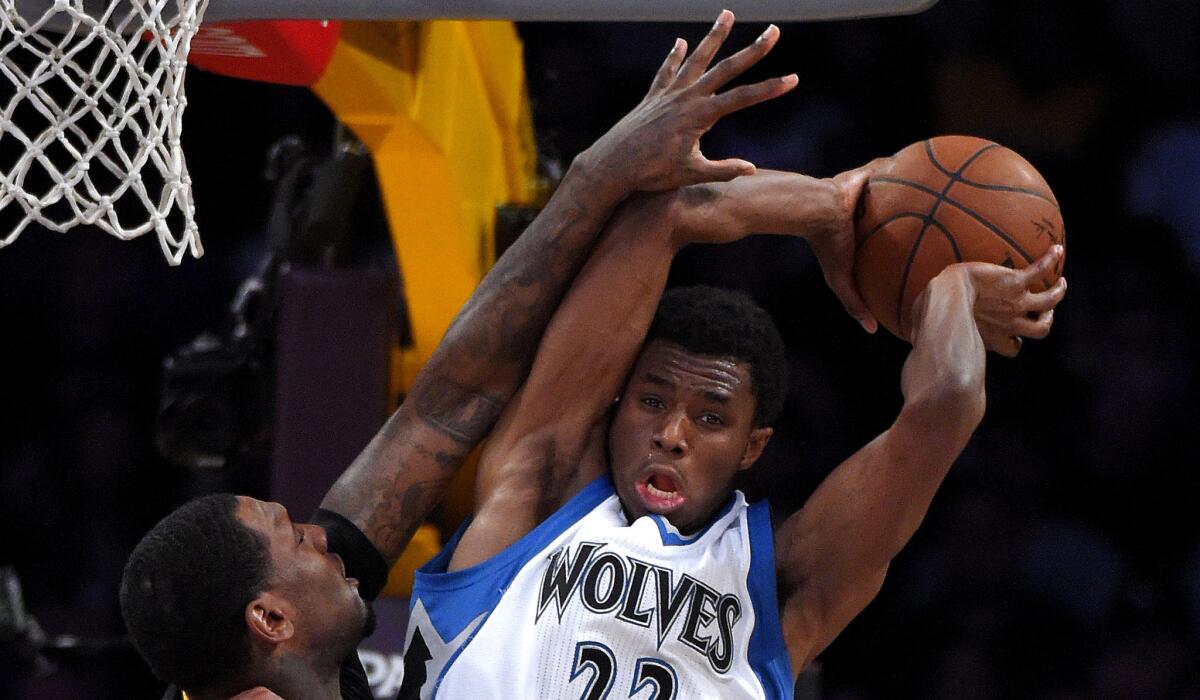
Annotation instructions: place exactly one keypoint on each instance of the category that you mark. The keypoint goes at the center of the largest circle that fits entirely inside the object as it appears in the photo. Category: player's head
(225, 586)
(698, 405)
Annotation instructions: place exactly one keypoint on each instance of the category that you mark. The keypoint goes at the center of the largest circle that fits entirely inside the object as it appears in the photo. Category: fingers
(746, 95)
(703, 55)
(843, 286)
(1047, 300)
(1006, 345)
(670, 66)
(719, 170)
(1040, 267)
(852, 184)
(738, 63)
(1033, 328)
(1011, 346)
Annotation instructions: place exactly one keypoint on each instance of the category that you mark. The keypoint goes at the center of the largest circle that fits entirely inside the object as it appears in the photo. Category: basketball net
(91, 132)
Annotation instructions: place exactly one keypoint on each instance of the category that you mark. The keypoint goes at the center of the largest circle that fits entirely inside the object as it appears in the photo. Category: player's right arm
(459, 393)
(832, 555)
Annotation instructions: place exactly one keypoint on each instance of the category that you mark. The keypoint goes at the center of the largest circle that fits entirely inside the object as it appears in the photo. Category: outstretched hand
(1006, 310)
(657, 145)
(834, 247)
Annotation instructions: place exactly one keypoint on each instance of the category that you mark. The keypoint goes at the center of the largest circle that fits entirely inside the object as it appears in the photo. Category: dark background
(1060, 559)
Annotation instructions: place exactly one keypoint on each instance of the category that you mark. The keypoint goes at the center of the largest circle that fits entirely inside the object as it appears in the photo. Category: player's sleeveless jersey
(589, 606)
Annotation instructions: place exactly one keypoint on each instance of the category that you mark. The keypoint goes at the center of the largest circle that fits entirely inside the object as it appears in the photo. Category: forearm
(833, 553)
(543, 448)
(490, 345)
(944, 400)
(596, 332)
(602, 323)
(769, 201)
(945, 369)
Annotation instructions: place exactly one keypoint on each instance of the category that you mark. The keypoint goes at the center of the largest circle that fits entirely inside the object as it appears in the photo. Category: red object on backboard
(288, 52)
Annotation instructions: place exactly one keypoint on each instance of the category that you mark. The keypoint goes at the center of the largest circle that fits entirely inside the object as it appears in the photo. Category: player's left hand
(834, 246)
(1006, 310)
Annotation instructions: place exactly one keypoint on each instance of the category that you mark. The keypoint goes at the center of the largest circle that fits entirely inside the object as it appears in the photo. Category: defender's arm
(832, 555)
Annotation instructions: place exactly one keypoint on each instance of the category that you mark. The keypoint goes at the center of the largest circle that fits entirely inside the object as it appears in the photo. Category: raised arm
(458, 395)
(549, 442)
(789, 203)
(832, 555)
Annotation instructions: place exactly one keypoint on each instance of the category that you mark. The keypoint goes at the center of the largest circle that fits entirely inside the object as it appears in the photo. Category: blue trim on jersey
(454, 598)
(671, 537)
(768, 653)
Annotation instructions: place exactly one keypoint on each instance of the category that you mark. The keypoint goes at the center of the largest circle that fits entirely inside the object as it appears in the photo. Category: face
(307, 581)
(684, 428)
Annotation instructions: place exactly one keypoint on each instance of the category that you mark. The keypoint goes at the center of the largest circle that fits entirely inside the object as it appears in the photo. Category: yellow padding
(443, 108)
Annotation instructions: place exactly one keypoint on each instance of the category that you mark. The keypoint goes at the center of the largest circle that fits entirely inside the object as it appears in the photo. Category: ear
(754, 446)
(270, 618)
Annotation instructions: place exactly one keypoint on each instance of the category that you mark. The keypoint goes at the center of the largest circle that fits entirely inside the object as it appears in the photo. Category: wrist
(836, 206)
(957, 277)
(594, 175)
(953, 282)
(816, 206)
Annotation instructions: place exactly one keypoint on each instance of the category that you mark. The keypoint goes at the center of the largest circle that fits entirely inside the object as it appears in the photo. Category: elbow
(957, 398)
(967, 398)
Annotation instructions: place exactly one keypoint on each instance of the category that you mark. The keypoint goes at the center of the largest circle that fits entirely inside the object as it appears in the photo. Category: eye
(711, 419)
(653, 402)
(299, 536)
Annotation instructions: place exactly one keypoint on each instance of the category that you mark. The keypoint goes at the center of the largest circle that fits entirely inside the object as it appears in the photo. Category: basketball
(945, 200)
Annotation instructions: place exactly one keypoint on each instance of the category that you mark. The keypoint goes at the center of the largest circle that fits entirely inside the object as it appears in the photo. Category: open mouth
(342, 566)
(660, 492)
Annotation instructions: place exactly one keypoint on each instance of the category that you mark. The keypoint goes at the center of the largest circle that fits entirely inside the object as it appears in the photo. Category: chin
(685, 524)
(369, 621)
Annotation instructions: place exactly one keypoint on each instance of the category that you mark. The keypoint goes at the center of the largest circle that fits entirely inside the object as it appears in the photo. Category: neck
(288, 676)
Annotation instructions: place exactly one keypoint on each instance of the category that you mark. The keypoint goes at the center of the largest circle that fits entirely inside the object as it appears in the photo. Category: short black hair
(185, 590)
(726, 323)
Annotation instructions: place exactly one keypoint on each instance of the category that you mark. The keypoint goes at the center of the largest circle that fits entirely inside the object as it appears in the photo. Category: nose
(670, 435)
(317, 534)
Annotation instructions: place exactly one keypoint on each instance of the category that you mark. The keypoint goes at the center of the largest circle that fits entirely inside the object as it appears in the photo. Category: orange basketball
(945, 200)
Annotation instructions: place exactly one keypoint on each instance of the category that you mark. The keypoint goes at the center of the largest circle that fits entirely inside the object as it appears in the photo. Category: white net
(90, 133)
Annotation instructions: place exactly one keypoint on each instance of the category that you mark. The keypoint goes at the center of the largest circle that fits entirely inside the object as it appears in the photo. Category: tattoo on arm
(386, 527)
(462, 413)
(462, 390)
(503, 321)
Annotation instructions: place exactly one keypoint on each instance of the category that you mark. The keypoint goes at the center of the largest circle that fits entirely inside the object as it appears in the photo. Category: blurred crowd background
(1060, 560)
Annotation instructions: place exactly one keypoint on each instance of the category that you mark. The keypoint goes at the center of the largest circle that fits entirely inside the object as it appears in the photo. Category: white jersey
(588, 605)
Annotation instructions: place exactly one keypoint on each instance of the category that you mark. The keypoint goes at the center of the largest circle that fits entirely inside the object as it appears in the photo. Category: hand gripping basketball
(946, 200)
(1007, 308)
(658, 143)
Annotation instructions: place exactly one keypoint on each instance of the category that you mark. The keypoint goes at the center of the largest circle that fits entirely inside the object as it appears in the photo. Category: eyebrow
(658, 380)
(717, 396)
(721, 397)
